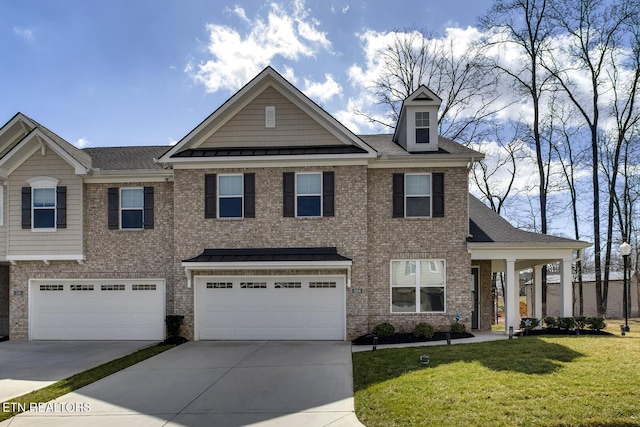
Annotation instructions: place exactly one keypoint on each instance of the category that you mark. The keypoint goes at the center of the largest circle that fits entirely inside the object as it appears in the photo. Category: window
(44, 207)
(44, 204)
(422, 127)
(230, 196)
(131, 207)
(112, 287)
(308, 194)
(288, 285)
(219, 285)
(253, 285)
(143, 287)
(417, 195)
(420, 292)
(321, 285)
(81, 287)
(52, 287)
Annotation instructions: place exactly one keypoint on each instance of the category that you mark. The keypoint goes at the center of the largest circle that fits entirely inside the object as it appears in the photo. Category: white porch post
(537, 292)
(566, 288)
(511, 297)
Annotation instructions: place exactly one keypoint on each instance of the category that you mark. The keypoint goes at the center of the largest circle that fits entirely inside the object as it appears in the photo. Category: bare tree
(594, 29)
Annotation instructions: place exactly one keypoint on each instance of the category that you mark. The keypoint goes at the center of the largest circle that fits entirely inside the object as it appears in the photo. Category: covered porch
(510, 251)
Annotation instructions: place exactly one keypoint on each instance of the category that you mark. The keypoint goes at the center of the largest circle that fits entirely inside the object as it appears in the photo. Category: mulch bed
(402, 338)
(558, 331)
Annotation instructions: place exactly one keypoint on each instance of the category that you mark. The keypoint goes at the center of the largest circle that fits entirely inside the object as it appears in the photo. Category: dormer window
(422, 127)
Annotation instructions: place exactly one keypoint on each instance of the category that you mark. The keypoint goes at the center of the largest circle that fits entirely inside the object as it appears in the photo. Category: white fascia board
(267, 265)
(136, 175)
(522, 253)
(57, 257)
(434, 161)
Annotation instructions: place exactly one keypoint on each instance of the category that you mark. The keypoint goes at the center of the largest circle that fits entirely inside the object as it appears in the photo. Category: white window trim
(430, 195)
(218, 196)
(318, 194)
(416, 127)
(418, 285)
(43, 182)
(120, 208)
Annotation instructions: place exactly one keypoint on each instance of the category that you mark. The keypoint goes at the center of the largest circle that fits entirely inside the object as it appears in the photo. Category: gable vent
(270, 116)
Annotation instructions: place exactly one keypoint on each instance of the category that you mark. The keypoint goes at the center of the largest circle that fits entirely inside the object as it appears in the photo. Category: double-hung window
(230, 196)
(422, 127)
(418, 286)
(44, 207)
(131, 208)
(308, 194)
(417, 195)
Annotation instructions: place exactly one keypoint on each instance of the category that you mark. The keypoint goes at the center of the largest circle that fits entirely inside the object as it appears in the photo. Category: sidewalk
(479, 337)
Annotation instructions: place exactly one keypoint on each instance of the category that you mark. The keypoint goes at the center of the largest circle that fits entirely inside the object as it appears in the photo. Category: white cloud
(288, 33)
(345, 9)
(83, 142)
(25, 33)
(322, 92)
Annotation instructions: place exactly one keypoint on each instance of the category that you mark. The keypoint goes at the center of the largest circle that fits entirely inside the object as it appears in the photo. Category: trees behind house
(550, 82)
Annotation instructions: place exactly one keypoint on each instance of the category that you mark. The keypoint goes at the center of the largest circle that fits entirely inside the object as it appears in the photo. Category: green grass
(530, 381)
(84, 378)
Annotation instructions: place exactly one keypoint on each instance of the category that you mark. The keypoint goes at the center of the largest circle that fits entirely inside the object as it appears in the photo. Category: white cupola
(417, 128)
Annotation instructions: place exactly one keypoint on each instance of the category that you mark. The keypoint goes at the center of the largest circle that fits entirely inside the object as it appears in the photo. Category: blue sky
(113, 73)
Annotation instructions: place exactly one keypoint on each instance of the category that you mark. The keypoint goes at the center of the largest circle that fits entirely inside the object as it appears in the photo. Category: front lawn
(529, 381)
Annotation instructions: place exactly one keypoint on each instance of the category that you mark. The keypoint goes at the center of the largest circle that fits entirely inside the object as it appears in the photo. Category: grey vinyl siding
(64, 241)
(293, 126)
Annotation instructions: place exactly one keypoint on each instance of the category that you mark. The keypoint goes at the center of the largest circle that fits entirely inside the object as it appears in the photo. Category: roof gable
(268, 86)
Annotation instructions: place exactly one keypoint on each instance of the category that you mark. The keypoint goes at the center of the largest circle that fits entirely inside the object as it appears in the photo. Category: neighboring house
(615, 296)
(269, 220)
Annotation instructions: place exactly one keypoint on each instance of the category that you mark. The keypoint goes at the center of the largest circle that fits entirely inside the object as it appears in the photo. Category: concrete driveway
(29, 365)
(216, 383)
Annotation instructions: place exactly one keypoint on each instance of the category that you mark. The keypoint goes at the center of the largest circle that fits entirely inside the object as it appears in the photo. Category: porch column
(566, 288)
(511, 297)
(537, 292)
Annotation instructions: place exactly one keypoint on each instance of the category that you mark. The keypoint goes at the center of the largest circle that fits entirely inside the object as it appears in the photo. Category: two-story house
(269, 220)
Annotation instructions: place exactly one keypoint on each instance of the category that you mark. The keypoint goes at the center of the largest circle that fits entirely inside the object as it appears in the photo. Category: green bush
(529, 323)
(567, 323)
(581, 322)
(424, 330)
(458, 328)
(596, 323)
(384, 330)
(550, 322)
(173, 322)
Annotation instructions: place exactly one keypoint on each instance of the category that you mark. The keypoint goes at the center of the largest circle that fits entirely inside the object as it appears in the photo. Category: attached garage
(96, 309)
(270, 307)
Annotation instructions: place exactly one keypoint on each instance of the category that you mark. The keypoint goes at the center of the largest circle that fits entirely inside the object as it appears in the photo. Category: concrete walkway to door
(221, 383)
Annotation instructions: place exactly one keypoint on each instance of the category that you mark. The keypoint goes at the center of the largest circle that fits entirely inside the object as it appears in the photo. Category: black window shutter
(113, 202)
(210, 195)
(26, 207)
(148, 207)
(438, 194)
(327, 194)
(249, 195)
(288, 194)
(398, 195)
(61, 207)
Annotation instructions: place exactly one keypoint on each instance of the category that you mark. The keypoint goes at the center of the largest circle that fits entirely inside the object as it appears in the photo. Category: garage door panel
(286, 308)
(70, 310)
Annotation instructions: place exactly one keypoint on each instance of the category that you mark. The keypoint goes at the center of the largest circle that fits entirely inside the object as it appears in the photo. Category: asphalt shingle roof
(126, 158)
(384, 144)
(487, 226)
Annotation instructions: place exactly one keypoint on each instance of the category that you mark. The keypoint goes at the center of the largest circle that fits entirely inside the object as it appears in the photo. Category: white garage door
(270, 308)
(97, 310)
